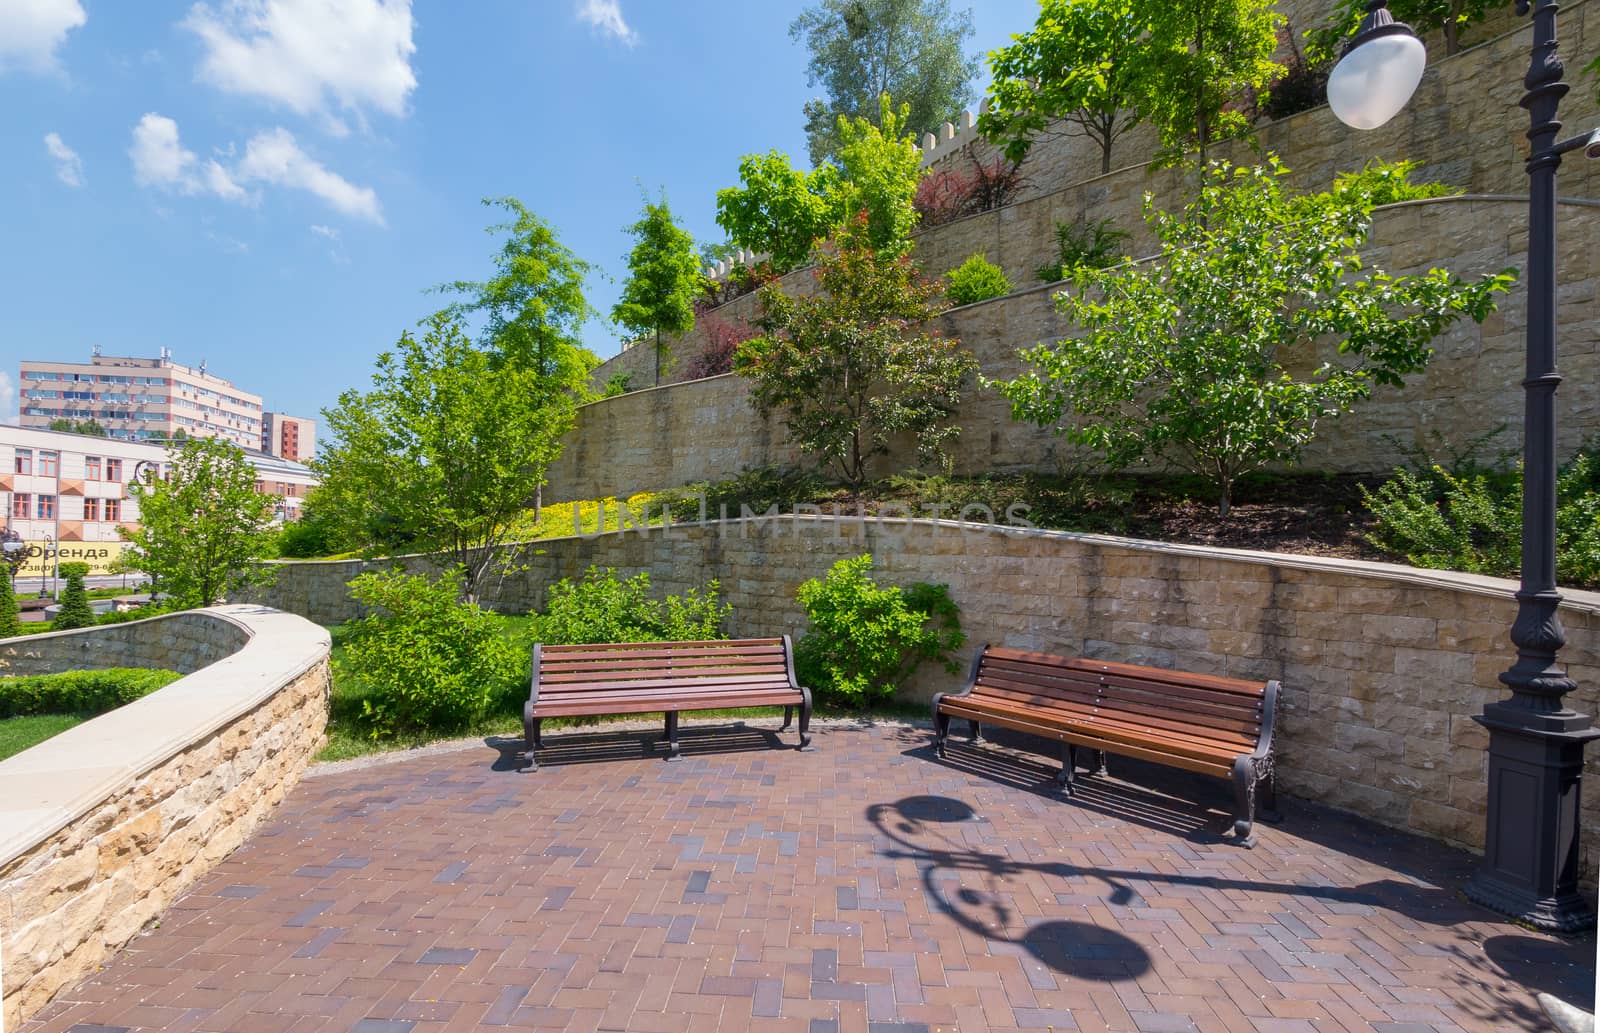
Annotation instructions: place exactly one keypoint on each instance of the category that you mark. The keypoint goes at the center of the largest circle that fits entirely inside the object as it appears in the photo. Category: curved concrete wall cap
(62, 778)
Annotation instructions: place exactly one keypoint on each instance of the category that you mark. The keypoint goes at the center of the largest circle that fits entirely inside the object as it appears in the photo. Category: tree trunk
(1452, 31)
(658, 356)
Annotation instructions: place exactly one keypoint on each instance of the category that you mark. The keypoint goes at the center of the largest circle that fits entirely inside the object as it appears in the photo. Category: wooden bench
(1220, 727)
(662, 677)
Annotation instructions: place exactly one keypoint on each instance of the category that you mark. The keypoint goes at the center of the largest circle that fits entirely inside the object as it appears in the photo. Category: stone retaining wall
(182, 642)
(102, 827)
(1383, 666)
(708, 430)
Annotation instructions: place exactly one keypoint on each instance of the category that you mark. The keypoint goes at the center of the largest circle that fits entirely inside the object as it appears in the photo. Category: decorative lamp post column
(1530, 864)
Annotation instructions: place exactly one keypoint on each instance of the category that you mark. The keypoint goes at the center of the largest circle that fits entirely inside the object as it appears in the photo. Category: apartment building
(139, 399)
(288, 437)
(65, 494)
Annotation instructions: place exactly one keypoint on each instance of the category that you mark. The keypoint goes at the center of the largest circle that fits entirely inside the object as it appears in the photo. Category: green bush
(1472, 521)
(617, 384)
(1083, 245)
(8, 604)
(432, 663)
(759, 490)
(603, 608)
(865, 640)
(75, 610)
(977, 279)
(79, 692)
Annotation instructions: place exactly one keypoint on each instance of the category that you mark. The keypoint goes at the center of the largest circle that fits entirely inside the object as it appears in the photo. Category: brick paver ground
(867, 886)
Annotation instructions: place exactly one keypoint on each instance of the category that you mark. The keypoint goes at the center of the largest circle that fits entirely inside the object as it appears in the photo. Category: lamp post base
(1530, 862)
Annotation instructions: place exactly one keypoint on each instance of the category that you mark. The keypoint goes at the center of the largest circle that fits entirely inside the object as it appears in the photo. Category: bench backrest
(732, 666)
(1227, 711)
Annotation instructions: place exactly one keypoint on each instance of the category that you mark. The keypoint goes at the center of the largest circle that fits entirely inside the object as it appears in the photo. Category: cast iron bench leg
(531, 739)
(1100, 764)
(977, 733)
(788, 718)
(672, 736)
(1269, 796)
(1244, 798)
(1069, 763)
(941, 726)
(805, 721)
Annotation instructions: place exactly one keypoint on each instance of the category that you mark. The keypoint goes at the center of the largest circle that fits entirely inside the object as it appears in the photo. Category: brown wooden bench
(1220, 727)
(662, 677)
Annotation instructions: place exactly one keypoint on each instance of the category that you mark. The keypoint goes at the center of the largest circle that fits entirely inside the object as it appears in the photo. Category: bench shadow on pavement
(576, 745)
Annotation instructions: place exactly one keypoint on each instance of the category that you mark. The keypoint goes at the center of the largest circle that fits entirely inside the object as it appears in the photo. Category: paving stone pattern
(864, 887)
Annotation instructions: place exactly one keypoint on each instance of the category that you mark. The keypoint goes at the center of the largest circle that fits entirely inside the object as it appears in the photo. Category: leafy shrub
(946, 194)
(603, 608)
(722, 339)
(1302, 86)
(1473, 521)
(976, 279)
(1083, 245)
(759, 489)
(865, 640)
(75, 610)
(432, 663)
(79, 692)
(617, 384)
(8, 604)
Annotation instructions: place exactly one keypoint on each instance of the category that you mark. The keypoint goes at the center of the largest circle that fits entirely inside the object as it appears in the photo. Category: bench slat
(1120, 731)
(622, 684)
(1238, 742)
(1179, 679)
(1199, 693)
(721, 670)
(604, 651)
(1238, 719)
(1093, 742)
(637, 705)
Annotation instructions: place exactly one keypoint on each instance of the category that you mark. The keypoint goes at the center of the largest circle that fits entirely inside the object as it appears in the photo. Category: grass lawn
(19, 733)
(347, 737)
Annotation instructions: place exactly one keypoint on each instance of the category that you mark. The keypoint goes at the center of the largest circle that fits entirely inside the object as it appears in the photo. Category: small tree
(863, 49)
(779, 209)
(446, 447)
(91, 427)
(10, 623)
(1207, 59)
(879, 168)
(1081, 68)
(1189, 361)
(850, 369)
(664, 278)
(1448, 17)
(202, 530)
(75, 610)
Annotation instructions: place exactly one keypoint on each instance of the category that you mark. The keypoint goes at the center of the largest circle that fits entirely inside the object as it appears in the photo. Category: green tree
(779, 209)
(75, 610)
(1081, 71)
(664, 280)
(1207, 58)
(202, 529)
(1196, 360)
(447, 448)
(785, 212)
(91, 427)
(533, 305)
(854, 367)
(9, 610)
(863, 49)
(1448, 17)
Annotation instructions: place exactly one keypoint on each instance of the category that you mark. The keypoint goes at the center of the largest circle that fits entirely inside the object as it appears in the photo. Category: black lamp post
(1530, 862)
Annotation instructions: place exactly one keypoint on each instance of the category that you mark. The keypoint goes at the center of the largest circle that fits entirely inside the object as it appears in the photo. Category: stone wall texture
(182, 642)
(1464, 126)
(707, 429)
(1382, 666)
(78, 894)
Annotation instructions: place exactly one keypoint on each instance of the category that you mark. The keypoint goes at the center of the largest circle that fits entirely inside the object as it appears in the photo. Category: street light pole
(1530, 863)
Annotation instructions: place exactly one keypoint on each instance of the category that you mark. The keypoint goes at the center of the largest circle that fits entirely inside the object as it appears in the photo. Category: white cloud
(606, 15)
(160, 160)
(314, 57)
(274, 157)
(8, 399)
(326, 231)
(31, 30)
(69, 167)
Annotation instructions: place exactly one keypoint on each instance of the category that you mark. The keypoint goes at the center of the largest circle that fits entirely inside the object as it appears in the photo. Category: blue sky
(271, 185)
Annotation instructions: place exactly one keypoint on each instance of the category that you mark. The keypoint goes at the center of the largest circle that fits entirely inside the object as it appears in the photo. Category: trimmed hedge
(79, 692)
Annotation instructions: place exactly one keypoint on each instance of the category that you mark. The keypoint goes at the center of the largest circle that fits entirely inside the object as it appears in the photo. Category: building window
(24, 462)
(44, 507)
(19, 504)
(113, 510)
(91, 468)
(91, 509)
(113, 469)
(48, 462)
